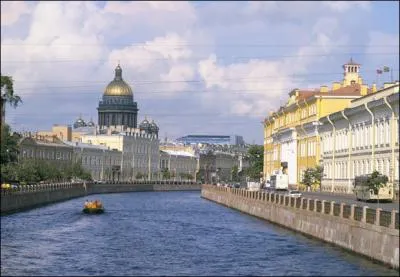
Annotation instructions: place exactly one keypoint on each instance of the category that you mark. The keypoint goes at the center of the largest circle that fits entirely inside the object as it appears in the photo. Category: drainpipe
(373, 135)
(334, 150)
(350, 140)
(304, 131)
(392, 138)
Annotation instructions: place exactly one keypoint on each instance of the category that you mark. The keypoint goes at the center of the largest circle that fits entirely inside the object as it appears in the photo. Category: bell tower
(351, 73)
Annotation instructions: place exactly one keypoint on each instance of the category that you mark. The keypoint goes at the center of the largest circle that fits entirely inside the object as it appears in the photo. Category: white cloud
(161, 65)
(180, 47)
(343, 6)
(11, 11)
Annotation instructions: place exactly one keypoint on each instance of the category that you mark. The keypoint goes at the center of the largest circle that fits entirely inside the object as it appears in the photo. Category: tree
(139, 175)
(256, 158)
(318, 174)
(308, 178)
(9, 145)
(375, 181)
(313, 176)
(7, 95)
(165, 174)
(235, 173)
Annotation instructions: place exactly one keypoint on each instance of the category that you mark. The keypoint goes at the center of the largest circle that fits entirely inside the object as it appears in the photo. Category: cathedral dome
(145, 125)
(118, 87)
(153, 127)
(90, 123)
(79, 123)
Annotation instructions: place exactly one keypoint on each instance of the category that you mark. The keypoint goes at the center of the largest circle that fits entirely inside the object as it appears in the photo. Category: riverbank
(371, 233)
(33, 197)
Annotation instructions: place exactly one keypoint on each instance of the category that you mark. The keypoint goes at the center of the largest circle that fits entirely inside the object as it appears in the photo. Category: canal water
(163, 233)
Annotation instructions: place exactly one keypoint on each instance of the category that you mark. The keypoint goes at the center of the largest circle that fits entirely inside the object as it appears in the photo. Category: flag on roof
(386, 69)
(378, 71)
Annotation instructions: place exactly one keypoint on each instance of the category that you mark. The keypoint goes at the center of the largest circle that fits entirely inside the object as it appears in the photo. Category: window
(304, 113)
(379, 163)
(388, 168)
(387, 131)
(382, 133)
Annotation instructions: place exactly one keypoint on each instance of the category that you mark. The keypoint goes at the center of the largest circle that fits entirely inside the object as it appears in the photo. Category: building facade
(139, 153)
(360, 139)
(180, 164)
(67, 133)
(291, 139)
(217, 166)
(99, 160)
(45, 148)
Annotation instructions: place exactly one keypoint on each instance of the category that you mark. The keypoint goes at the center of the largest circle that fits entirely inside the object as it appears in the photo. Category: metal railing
(32, 188)
(345, 211)
(371, 216)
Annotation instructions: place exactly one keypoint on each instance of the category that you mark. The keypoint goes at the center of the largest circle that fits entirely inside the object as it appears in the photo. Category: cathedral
(118, 112)
(118, 129)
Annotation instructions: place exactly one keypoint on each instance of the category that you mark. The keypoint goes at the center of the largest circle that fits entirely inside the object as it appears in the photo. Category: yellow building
(65, 132)
(291, 140)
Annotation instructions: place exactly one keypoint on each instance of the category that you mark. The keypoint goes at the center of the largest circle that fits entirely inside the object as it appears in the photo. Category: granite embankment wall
(369, 232)
(28, 197)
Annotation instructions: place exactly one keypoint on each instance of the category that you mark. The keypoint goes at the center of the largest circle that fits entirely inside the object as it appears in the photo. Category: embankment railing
(18, 189)
(389, 219)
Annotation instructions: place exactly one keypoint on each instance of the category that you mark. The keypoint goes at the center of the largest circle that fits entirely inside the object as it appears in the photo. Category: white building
(101, 161)
(361, 139)
(139, 153)
(178, 163)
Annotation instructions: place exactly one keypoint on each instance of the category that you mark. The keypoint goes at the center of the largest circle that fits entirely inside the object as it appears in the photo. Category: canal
(163, 233)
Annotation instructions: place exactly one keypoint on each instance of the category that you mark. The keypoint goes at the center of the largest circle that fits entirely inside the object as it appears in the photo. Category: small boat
(95, 207)
(93, 210)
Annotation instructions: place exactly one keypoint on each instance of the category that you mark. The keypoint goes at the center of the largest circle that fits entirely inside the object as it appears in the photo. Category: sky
(215, 68)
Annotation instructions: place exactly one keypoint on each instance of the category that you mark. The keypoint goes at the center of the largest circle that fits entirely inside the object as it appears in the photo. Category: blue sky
(195, 67)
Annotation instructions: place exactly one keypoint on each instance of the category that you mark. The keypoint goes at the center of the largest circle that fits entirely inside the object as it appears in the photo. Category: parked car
(294, 193)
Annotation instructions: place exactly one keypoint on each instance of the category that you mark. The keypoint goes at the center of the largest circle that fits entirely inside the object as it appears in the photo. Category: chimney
(374, 88)
(336, 85)
(364, 90)
(324, 89)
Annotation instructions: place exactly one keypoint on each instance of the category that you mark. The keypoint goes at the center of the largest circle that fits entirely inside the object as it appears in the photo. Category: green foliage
(7, 91)
(40, 170)
(256, 158)
(308, 177)
(166, 175)
(376, 180)
(9, 145)
(235, 173)
(186, 176)
(139, 175)
(313, 176)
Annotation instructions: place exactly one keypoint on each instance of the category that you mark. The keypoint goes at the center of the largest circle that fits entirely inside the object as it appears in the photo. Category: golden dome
(118, 87)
